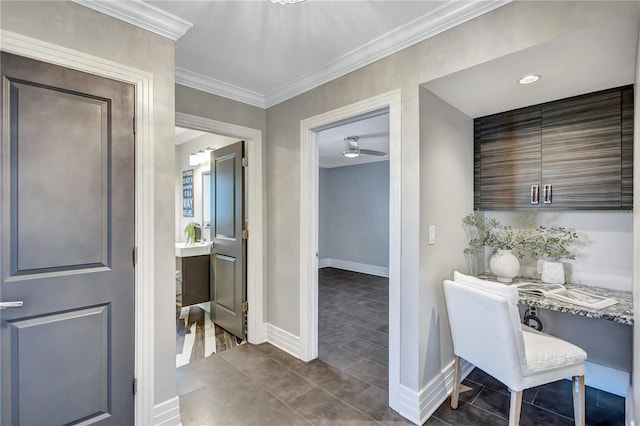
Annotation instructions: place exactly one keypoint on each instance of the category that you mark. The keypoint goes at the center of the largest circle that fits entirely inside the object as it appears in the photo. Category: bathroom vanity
(193, 262)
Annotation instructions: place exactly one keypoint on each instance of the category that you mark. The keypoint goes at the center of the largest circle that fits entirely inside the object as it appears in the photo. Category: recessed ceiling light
(528, 79)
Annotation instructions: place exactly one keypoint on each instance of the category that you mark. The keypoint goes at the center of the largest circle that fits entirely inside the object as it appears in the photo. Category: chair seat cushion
(544, 352)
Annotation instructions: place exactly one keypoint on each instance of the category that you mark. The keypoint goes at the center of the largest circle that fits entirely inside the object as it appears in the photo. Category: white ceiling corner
(143, 15)
(217, 87)
(447, 16)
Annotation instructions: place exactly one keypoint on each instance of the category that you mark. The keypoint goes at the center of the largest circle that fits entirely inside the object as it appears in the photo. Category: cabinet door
(508, 149)
(581, 151)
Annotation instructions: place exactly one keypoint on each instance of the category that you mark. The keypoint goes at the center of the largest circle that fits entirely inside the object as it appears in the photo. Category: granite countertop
(621, 312)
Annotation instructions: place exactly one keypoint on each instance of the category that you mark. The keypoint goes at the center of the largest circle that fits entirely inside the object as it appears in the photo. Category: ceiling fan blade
(372, 152)
(374, 135)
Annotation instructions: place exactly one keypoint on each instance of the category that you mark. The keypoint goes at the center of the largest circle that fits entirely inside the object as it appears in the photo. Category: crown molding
(143, 15)
(449, 15)
(218, 87)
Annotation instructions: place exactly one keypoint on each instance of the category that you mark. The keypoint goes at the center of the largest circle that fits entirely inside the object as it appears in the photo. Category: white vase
(504, 265)
(552, 272)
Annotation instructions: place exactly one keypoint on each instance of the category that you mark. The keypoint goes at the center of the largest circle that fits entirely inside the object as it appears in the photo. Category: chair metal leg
(578, 400)
(456, 383)
(514, 408)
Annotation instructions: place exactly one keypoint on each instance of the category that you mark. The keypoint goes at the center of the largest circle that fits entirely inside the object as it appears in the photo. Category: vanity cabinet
(575, 153)
(195, 279)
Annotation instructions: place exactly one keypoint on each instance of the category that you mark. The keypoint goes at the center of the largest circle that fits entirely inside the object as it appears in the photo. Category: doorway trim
(255, 253)
(144, 178)
(309, 164)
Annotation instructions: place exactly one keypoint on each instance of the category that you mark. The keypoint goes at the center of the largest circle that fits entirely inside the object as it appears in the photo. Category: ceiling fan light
(351, 147)
(349, 153)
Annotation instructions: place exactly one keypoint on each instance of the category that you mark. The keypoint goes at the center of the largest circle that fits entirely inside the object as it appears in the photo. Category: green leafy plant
(494, 234)
(190, 232)
(552, 242)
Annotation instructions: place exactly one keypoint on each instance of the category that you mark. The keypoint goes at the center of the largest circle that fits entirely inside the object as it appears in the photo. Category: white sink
(194, 249)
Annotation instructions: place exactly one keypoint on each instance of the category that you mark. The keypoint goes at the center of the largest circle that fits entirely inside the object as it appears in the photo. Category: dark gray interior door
(67, 227)
(228, 258)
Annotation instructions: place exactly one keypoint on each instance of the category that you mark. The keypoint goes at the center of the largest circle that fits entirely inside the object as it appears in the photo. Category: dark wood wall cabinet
(574, 153)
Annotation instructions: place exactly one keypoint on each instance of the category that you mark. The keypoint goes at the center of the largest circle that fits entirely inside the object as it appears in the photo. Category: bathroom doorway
(224, 134)
(196, 334)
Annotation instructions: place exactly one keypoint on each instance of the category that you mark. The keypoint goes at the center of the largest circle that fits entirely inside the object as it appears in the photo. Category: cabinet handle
(535, 194)
(546, 194)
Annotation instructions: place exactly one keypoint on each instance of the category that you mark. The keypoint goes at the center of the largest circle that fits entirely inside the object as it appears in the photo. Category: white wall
(604, 255)
(354, 214)
(76, 27)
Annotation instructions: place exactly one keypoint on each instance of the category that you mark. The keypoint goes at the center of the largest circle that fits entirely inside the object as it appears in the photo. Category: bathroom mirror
(206, 200)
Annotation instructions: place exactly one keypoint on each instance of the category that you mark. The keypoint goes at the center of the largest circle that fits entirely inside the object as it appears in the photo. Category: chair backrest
(485, 326)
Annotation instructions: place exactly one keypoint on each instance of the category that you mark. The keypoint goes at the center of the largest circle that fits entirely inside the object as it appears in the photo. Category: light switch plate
(432, 234)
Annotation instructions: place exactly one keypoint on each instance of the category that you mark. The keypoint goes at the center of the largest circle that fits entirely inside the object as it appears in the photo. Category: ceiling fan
(352, 148)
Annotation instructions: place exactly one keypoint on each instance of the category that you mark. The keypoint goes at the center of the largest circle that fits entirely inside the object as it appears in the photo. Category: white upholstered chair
(486, 331)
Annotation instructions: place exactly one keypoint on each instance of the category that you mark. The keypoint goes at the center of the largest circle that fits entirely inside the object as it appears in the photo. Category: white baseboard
(167, 413)
(419, 406)
(363, 268)
(324, 263)
(283, 340)
(629, 408)
(607, 379)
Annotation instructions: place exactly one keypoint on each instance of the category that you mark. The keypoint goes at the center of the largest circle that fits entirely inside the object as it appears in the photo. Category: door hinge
(245, 234)
(135, 386)
(245, 306)
(134, 256)
(135, 128)
(245, 162)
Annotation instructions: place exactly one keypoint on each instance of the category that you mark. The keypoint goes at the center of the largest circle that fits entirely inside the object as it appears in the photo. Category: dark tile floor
(262, 385)
(486, 402)
(353, 323)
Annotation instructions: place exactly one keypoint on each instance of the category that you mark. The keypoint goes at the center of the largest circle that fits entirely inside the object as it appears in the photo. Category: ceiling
(201, 140)
(597, 58)
(373, 133)
(262, 53)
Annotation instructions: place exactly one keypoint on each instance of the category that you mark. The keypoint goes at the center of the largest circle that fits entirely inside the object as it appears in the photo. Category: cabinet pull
(546, 194)
(535, 194)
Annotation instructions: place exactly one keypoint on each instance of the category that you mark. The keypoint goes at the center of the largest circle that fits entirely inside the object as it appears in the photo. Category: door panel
(228, 258)
(225, 294)
(82, 225)
(67, 197)
(74, 369)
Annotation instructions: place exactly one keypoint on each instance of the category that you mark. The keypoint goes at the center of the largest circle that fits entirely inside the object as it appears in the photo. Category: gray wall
(446, 150)
(79, 28)
(513, 27)
(354, 213)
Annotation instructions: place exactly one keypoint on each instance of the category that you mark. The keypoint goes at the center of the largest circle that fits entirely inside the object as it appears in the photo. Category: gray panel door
(67, 216)
(228, 258)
